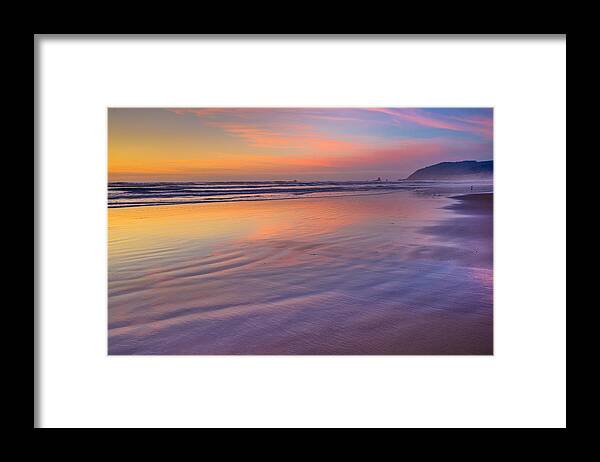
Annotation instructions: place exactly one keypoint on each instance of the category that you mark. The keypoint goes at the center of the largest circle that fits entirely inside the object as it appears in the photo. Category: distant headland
(466, 169)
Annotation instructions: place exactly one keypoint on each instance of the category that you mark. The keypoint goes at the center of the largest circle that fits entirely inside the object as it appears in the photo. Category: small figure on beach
(471, 187)
(378, 178)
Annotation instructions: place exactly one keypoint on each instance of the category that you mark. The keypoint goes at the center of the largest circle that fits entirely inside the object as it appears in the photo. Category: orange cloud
(289, 136)
(274, 134)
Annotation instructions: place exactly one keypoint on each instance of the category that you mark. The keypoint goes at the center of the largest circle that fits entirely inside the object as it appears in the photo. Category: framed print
(300, 231)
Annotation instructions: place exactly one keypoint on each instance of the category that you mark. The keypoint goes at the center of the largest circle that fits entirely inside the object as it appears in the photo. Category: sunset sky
(224, 144)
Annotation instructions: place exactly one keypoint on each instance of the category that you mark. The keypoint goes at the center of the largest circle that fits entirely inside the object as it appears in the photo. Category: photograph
(300, 230)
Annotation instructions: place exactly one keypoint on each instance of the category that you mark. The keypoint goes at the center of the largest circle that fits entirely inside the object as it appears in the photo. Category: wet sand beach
(405, 272)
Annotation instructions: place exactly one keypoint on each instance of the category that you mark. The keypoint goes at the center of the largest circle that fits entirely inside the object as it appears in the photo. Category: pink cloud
(473, 124)
(299, 137)
(280, 134)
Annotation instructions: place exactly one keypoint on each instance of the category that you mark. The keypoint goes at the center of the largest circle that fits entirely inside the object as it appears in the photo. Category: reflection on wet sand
(376, 274)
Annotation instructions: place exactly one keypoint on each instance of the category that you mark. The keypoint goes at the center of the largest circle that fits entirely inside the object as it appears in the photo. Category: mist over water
(352, 268)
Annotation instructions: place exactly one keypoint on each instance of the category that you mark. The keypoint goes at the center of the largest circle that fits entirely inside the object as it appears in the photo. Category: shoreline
(150, 196)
